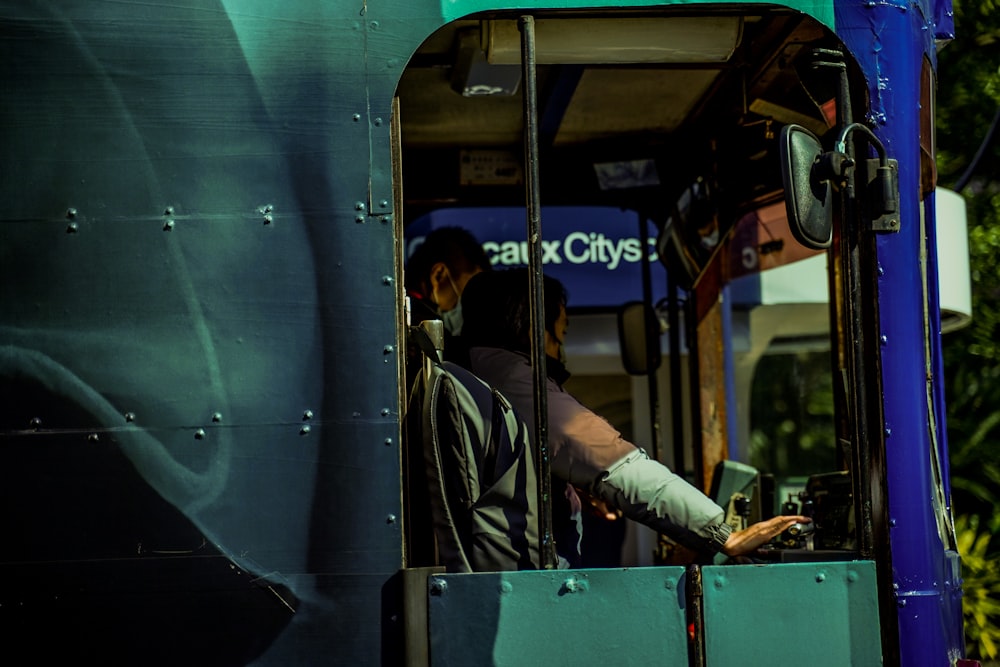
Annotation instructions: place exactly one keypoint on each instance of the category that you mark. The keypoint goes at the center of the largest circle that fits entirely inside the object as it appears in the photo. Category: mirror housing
(637, 324)
(808, 188)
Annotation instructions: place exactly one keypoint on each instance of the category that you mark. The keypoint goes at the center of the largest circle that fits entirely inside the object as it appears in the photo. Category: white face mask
(453, 320)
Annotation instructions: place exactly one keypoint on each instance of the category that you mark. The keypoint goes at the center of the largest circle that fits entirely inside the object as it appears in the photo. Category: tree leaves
(981, 588)
(968, 99)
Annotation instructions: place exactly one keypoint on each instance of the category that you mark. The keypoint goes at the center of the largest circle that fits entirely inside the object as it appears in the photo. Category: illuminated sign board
(596, 252)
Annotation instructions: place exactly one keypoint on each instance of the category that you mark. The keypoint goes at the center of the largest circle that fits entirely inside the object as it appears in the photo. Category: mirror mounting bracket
(883, 195)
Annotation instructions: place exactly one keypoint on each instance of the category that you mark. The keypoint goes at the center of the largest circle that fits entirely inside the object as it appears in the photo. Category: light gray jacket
(586, 451)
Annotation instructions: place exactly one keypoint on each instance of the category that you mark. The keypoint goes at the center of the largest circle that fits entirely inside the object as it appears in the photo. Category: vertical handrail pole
(676, 395)
(652, 337)
(526, 24)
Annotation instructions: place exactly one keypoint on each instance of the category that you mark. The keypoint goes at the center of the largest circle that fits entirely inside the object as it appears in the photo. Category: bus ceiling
(630, 110)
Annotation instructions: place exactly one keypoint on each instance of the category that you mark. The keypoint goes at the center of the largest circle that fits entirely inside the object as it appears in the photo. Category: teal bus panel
(824, 614)
(821, 10)
(558, 617)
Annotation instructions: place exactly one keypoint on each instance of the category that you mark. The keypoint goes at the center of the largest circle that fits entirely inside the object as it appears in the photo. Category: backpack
(480, 471)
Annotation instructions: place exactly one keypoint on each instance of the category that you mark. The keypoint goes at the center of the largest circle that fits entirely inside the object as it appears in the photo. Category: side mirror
(638, 326)
(808, 191)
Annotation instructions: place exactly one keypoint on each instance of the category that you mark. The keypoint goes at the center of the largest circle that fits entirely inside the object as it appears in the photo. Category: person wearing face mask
(437, 272)
(435, 276)
(585, 451)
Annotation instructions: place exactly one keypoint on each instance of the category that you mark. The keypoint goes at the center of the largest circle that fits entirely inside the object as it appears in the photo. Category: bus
(207, 207)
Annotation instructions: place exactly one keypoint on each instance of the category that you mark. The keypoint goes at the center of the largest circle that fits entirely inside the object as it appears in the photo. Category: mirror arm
(841, 144)
(887, 199)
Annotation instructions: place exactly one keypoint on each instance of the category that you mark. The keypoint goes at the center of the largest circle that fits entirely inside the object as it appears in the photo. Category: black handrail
(529, 96)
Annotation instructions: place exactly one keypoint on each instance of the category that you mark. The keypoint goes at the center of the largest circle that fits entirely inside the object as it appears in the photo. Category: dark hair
(496, 309)
(456, 247)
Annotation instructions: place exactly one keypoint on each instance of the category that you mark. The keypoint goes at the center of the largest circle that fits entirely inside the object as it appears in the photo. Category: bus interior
(678, 152)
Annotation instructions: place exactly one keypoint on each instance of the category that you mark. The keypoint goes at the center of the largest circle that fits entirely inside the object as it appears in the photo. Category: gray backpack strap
(447, 465)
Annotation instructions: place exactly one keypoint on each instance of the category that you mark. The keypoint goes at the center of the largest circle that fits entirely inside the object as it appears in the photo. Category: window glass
(792, 430)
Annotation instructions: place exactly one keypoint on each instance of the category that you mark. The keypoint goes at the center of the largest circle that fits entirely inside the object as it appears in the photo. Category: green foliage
(980, 588)
(792, 427)
(968, 98)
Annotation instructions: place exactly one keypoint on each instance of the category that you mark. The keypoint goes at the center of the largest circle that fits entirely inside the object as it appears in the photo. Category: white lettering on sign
(577, 248)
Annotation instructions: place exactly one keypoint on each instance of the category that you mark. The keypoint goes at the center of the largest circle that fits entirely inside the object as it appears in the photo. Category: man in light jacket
(585, 451)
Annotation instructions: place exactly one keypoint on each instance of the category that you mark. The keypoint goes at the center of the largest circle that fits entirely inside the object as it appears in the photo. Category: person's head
(441, 266)
(497, 312)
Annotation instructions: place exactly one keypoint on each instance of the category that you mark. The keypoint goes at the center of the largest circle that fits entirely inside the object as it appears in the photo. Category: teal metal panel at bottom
(822, 614)
(559, 617)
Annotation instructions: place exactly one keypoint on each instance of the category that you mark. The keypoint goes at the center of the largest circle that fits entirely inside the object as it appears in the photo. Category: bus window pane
(792, 432)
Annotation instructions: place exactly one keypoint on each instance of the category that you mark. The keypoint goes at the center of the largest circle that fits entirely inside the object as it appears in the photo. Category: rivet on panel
(438, 586)
(168, 225)
(71, 228)
(168, 210)
(391, 518)
(388, 442)
(130, 417)
(383, 203)
(669, 585)
(505, 587)
(386, 412)
(892, 523)
(387, 280)
(267, 218)
(356, 117)
(35, 423)
(93, 437)
(359, 206)
(305, 430)
(820, 577)
(385, 219)
(307, 415)
(199, 434)
(852, 576)
(70, 213)
(888, 431)
(360, 219)
(378, 122)
(216, 417)
(388, 349)
(884, 339)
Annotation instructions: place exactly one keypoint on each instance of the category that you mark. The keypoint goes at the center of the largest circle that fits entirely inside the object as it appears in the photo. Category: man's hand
(747, 540)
